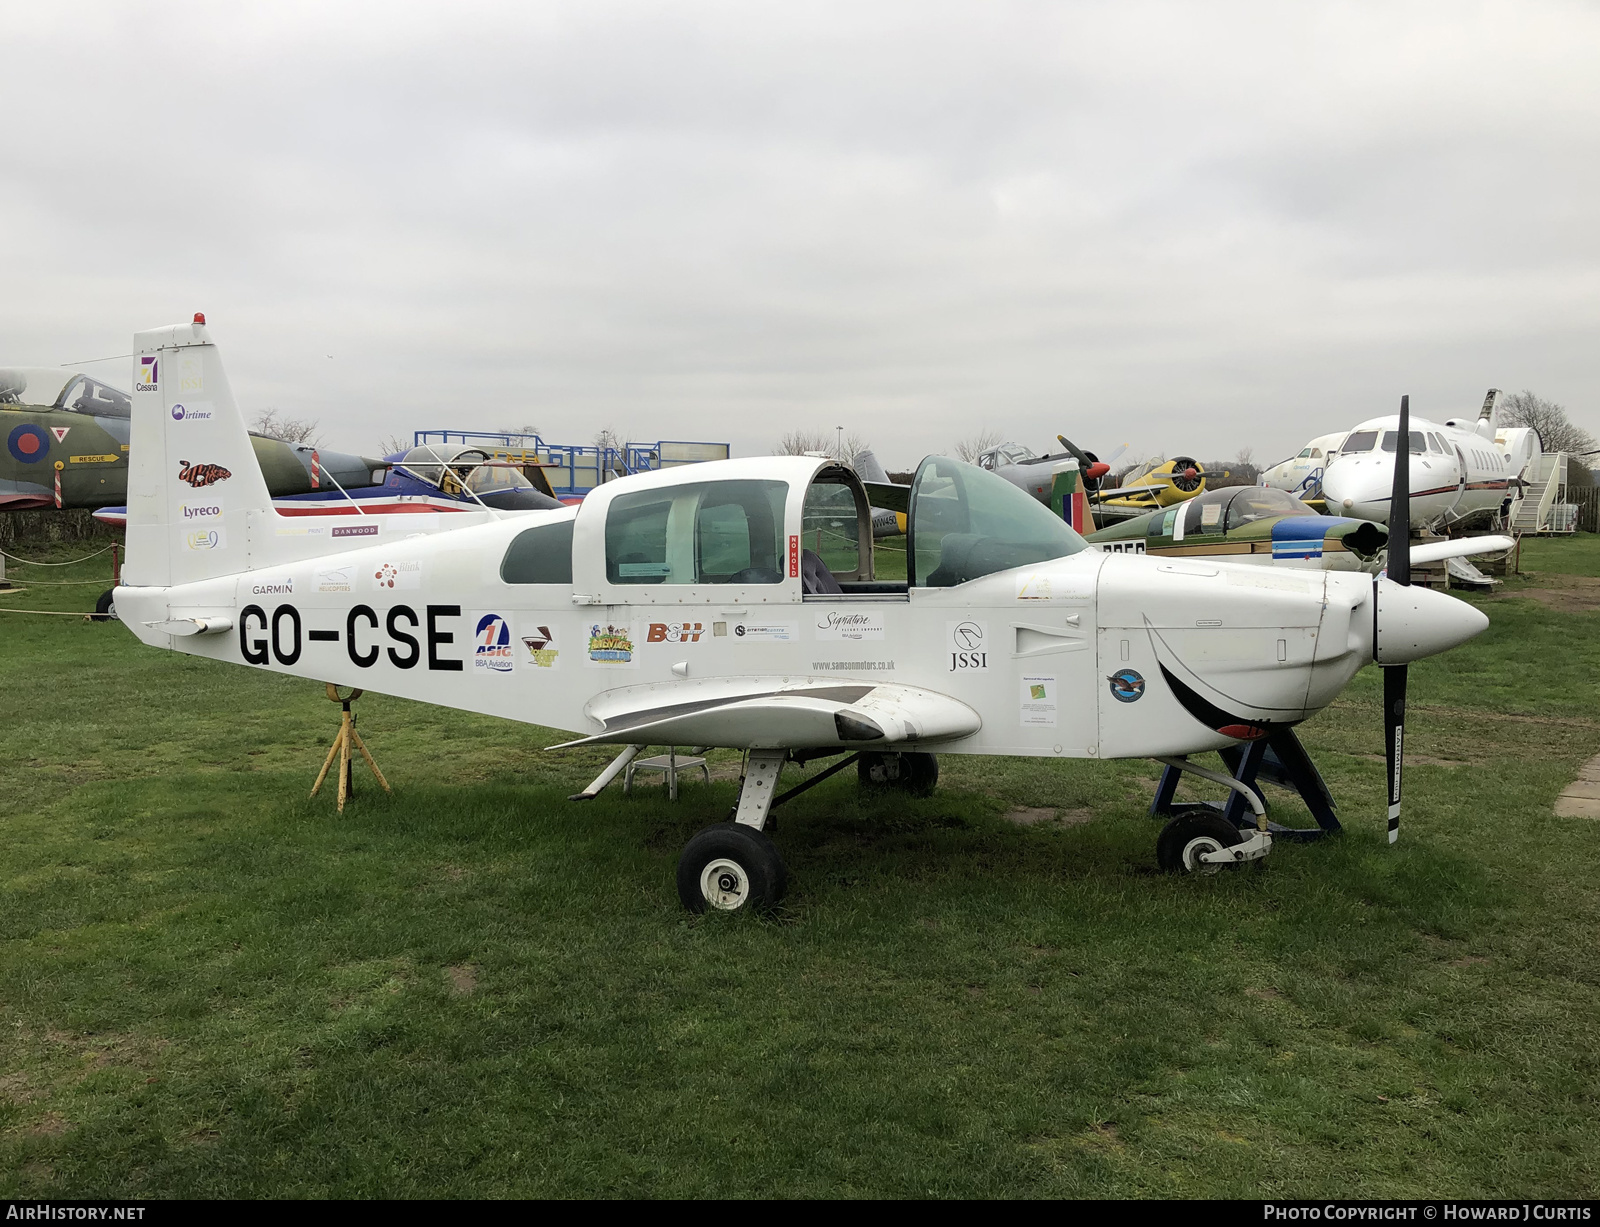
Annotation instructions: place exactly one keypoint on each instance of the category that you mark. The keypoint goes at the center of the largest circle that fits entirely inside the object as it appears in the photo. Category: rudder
(194, 485)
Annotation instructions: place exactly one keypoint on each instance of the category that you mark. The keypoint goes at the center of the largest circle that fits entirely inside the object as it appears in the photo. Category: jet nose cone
(1415, 622)
(1361, 495)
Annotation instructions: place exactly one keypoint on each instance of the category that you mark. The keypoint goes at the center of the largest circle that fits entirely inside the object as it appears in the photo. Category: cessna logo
(198, 475)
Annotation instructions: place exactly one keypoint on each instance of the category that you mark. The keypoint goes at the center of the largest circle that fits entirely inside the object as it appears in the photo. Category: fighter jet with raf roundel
(683, 607)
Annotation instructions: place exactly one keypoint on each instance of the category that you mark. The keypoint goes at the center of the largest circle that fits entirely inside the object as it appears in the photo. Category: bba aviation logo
(493, 645)
(146, 380)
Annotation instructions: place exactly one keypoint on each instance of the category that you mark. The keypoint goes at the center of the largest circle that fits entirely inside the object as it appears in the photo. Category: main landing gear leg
(733, 866)
(1198, 840)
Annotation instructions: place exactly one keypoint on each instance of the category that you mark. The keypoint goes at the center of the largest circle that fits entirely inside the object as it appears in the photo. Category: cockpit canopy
(1004, 454)
(452, 468)
(54, 388)
(966, 523)
(1220, 511)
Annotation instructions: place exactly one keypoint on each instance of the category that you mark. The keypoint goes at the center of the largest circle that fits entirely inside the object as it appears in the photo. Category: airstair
(1532, 513)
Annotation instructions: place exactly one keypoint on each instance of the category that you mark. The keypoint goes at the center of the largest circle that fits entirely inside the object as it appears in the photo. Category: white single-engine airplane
(682, 608)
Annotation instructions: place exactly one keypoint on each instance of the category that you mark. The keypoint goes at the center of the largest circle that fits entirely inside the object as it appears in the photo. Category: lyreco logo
(146, 380)
(201, 511)
(492, 645)
(675, 632)
(182, 414)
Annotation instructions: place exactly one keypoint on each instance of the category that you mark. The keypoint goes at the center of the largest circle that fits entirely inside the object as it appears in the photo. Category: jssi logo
(967, 650)
(675, 632)
(492, 644)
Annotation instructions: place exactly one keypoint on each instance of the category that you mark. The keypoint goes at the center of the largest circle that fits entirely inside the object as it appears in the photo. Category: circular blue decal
(1127, 685)
(28, 444)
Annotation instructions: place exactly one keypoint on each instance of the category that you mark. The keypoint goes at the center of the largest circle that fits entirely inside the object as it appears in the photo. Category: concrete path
(1581, 798)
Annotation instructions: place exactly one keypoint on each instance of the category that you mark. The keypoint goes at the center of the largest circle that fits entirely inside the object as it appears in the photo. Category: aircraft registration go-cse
(687, 607)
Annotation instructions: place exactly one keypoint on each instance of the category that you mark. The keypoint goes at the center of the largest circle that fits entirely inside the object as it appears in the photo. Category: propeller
(1186, 473)
(1092, 469)
(1398, 572)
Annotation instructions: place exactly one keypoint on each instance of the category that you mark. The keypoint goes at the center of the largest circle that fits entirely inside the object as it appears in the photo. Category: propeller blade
(1112, 459)
(1394, 736)
(1400, 501)
(1078, 454)
(1399, 572)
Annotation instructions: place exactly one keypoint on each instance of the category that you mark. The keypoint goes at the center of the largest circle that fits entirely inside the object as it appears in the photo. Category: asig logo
(492, 648)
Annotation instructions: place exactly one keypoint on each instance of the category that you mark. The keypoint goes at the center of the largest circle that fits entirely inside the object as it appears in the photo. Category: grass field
(212, 986)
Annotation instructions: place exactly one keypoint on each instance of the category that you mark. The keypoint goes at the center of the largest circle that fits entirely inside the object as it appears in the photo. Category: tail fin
(1490, 403)
(869, 468)
(193, 481)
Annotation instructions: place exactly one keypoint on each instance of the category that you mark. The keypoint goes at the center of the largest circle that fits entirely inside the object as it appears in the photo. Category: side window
(829, 527)
(540, 555)
(709, 532)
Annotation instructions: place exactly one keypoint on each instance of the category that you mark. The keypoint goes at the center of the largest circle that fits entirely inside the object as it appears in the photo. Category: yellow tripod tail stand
(342, 742)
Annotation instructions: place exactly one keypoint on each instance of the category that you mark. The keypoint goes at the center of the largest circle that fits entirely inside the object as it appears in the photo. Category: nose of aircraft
(1359, 486)
(1414, 622)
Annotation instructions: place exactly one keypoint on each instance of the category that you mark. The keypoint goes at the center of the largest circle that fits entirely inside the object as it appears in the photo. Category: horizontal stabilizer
(888, 496)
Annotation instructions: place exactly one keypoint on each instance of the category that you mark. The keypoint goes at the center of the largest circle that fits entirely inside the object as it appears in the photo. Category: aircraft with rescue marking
(684, 608)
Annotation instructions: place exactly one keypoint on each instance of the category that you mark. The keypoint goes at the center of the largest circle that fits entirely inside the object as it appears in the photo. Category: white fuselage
(1301, 475)
(1456, 474)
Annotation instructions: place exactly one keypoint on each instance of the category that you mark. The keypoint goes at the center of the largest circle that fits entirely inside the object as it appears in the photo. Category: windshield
(1360, 441)
(1254, 503)
(33, 386)
(1391, 437)
(967, 523)
(497, 475)
(85, 395)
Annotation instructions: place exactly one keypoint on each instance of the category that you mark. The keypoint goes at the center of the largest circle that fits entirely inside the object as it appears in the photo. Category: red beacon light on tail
(199, 317)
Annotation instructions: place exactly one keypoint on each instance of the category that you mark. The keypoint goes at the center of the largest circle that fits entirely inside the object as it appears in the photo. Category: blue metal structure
(576, 468)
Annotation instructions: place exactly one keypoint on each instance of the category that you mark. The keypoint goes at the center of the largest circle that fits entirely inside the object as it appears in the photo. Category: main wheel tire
(1190, 833)
(914, 772)
(732, 868)
(105, 609)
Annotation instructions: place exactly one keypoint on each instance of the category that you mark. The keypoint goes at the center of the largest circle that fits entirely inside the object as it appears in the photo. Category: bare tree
(1557, 432)
(973, 446)
(840, 445)
(390, 444)
(276, 425)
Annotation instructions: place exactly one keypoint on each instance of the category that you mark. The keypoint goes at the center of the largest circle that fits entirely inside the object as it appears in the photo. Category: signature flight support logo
(491, 652)
(1127, 685)
(542, 650)
(610, 644)
(146, 380)
(675, 632)
(200, 475)
(967, 649)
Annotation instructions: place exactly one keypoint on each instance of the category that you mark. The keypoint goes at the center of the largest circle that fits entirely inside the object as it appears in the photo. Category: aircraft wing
(776, 713)
(1462, 547)
(888, 496)
(1128, 491)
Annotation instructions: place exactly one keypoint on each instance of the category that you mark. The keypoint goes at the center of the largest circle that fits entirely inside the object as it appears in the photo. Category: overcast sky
(1192, 228)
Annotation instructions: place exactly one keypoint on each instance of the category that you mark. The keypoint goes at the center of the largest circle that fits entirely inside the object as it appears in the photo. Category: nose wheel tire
(915, 773)
(731, 868)
(1191, 833)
